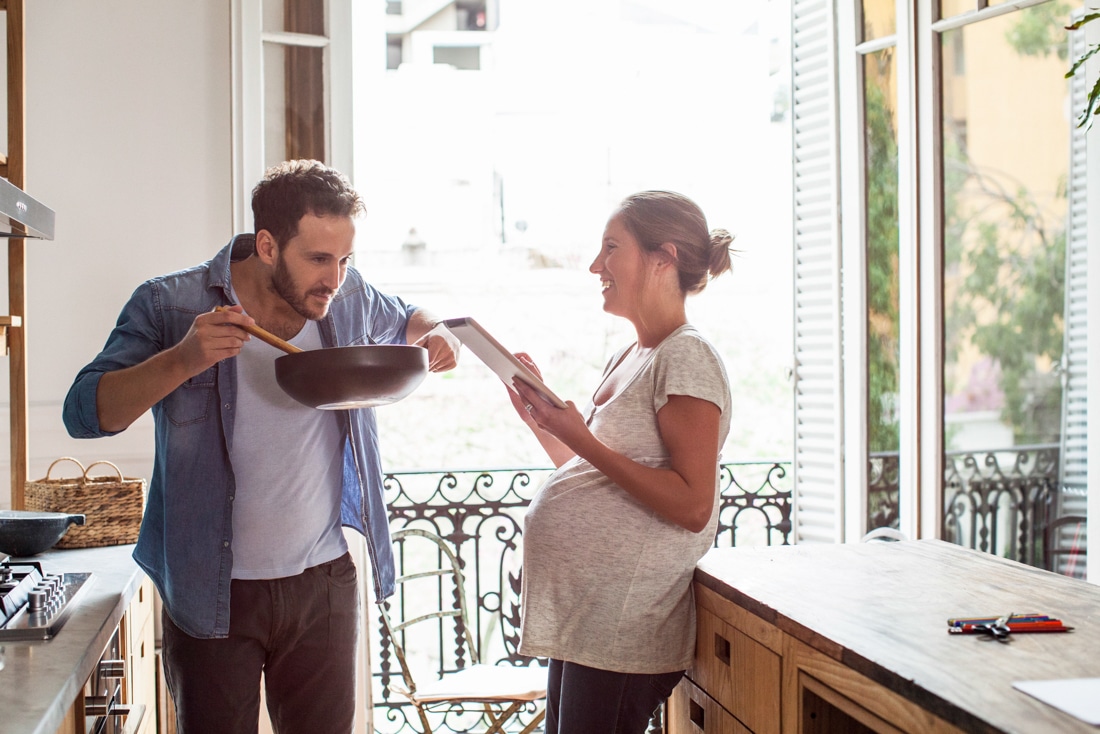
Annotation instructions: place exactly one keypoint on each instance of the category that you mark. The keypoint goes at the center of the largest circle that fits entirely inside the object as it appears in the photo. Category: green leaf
(1086, 116)
(1083, 58)
(1087, 19)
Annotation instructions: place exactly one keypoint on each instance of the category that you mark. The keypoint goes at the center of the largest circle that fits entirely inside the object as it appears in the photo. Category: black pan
(26, 533)
(336, 378)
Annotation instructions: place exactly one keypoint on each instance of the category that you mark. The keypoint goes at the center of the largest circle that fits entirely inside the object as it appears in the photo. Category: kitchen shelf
(15, 171)
(7, 322)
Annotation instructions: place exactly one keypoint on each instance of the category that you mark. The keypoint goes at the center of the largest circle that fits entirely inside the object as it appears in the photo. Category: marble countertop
(41, 678)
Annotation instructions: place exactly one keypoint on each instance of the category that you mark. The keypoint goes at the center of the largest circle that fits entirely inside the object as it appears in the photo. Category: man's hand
(443, 348)
(124, 395)
(213, 337)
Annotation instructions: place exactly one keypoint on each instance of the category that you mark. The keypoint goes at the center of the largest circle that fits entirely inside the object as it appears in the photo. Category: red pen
(1053, 625)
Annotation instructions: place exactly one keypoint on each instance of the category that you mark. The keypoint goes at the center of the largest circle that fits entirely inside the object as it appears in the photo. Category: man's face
(312, 265)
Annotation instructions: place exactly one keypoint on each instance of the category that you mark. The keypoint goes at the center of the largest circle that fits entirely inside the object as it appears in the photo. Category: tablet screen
(498, 359)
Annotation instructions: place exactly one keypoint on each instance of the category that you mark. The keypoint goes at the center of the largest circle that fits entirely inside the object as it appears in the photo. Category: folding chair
(499, 693)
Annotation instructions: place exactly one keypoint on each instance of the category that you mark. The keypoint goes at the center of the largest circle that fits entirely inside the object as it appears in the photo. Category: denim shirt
(186, 539)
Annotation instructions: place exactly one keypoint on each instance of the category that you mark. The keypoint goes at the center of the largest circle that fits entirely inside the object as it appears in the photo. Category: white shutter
(818, 375)
(1074, 359)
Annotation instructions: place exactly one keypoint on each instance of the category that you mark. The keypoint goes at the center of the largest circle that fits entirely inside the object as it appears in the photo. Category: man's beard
(284, 285)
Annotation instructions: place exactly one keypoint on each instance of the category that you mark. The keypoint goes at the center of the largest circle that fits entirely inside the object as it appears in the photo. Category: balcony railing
(1001, 502)
(481, 513)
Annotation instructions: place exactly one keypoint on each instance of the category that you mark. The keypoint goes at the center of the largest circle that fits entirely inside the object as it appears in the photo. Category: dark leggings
(583, 700)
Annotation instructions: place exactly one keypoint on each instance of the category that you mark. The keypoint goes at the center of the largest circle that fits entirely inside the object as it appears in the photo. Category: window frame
(248, 39)
(920, 212)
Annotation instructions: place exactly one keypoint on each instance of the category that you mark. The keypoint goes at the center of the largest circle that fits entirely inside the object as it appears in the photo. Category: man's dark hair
(290, 190)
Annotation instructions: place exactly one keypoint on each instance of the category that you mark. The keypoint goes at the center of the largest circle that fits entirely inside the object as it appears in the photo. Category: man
(242, 529)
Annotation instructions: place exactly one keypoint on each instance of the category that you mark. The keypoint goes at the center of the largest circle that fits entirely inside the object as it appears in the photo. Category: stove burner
(34, 605)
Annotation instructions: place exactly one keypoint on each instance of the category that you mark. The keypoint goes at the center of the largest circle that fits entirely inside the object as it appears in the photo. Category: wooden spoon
(267, 336)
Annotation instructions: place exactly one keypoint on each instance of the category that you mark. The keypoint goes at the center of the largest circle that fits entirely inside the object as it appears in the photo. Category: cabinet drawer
(143, 673)
(691, 711)
(137, 632)
(741, 674)
(141, 606)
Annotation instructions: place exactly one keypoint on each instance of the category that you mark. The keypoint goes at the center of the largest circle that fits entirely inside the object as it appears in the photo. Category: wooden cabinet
(853, 638)
(824, 695)
(138, 649)
(737, 665)
(133, 644)
(690, 709)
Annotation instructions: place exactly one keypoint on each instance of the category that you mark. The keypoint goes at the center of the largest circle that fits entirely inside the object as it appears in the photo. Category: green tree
(1012, 262)
(1038, 32)
(882, 271)
(1011, 302)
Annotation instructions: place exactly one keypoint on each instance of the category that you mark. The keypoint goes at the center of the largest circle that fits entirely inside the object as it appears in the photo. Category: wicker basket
(112, 505)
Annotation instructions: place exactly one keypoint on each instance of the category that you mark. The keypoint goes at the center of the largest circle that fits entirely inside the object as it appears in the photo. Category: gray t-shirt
(606, 580)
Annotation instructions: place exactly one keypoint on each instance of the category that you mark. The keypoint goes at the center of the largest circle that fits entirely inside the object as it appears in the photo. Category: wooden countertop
(881, 608)
(41, 678)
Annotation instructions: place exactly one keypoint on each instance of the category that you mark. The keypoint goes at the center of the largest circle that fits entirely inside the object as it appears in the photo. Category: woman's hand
(565, 424)
(525, 408)
(518, 403)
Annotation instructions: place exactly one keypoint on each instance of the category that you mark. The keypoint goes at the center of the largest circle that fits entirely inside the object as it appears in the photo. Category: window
(467, 58)
(959, 275)
(883, 298)
(394, 52)
(295, 124)
(291, 88)
(1004, 234)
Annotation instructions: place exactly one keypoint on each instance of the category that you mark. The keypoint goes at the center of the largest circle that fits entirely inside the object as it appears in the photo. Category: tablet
(498, 359)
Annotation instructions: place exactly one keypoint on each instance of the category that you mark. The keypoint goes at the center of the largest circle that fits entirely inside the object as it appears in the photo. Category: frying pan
(337, 378)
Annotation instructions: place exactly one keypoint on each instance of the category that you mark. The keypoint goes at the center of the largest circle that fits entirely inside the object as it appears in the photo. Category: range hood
(23, 216)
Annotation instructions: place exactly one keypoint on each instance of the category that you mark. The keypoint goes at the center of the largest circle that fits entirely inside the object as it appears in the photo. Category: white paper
(1078, 697)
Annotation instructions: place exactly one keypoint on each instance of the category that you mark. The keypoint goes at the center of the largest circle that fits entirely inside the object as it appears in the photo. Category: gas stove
(34, 605)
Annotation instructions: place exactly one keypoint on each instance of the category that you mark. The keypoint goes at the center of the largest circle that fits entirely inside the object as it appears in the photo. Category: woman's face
(623, 269)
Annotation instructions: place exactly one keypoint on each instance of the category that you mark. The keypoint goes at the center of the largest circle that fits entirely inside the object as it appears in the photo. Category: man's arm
(124, 395)
(425, 330)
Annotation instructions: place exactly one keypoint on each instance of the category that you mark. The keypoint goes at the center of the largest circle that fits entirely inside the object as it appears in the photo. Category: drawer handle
(696, 714)
(721, 648)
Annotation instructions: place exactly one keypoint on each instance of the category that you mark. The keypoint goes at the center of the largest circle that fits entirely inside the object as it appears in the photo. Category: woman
(611, 540)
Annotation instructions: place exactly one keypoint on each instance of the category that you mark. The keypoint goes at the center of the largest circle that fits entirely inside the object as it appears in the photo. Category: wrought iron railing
(481, 513)
(1000, 501)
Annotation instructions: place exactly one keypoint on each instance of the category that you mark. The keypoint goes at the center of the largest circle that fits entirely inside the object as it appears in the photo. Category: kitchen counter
(41, 678)
(862, 629)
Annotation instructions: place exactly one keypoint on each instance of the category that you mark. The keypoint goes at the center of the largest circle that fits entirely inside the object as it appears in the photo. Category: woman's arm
(683, 493)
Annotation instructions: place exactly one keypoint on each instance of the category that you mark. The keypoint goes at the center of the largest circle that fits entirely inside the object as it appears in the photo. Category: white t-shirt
(606, 580)
(288, 467)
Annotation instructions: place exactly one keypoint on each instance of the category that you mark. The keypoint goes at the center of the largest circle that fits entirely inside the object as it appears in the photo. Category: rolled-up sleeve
(135, 338)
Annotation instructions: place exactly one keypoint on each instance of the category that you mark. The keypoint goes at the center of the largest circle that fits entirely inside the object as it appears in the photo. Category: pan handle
(267, 336)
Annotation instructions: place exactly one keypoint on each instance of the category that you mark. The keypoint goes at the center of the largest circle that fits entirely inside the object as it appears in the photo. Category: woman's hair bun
(720, 252)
